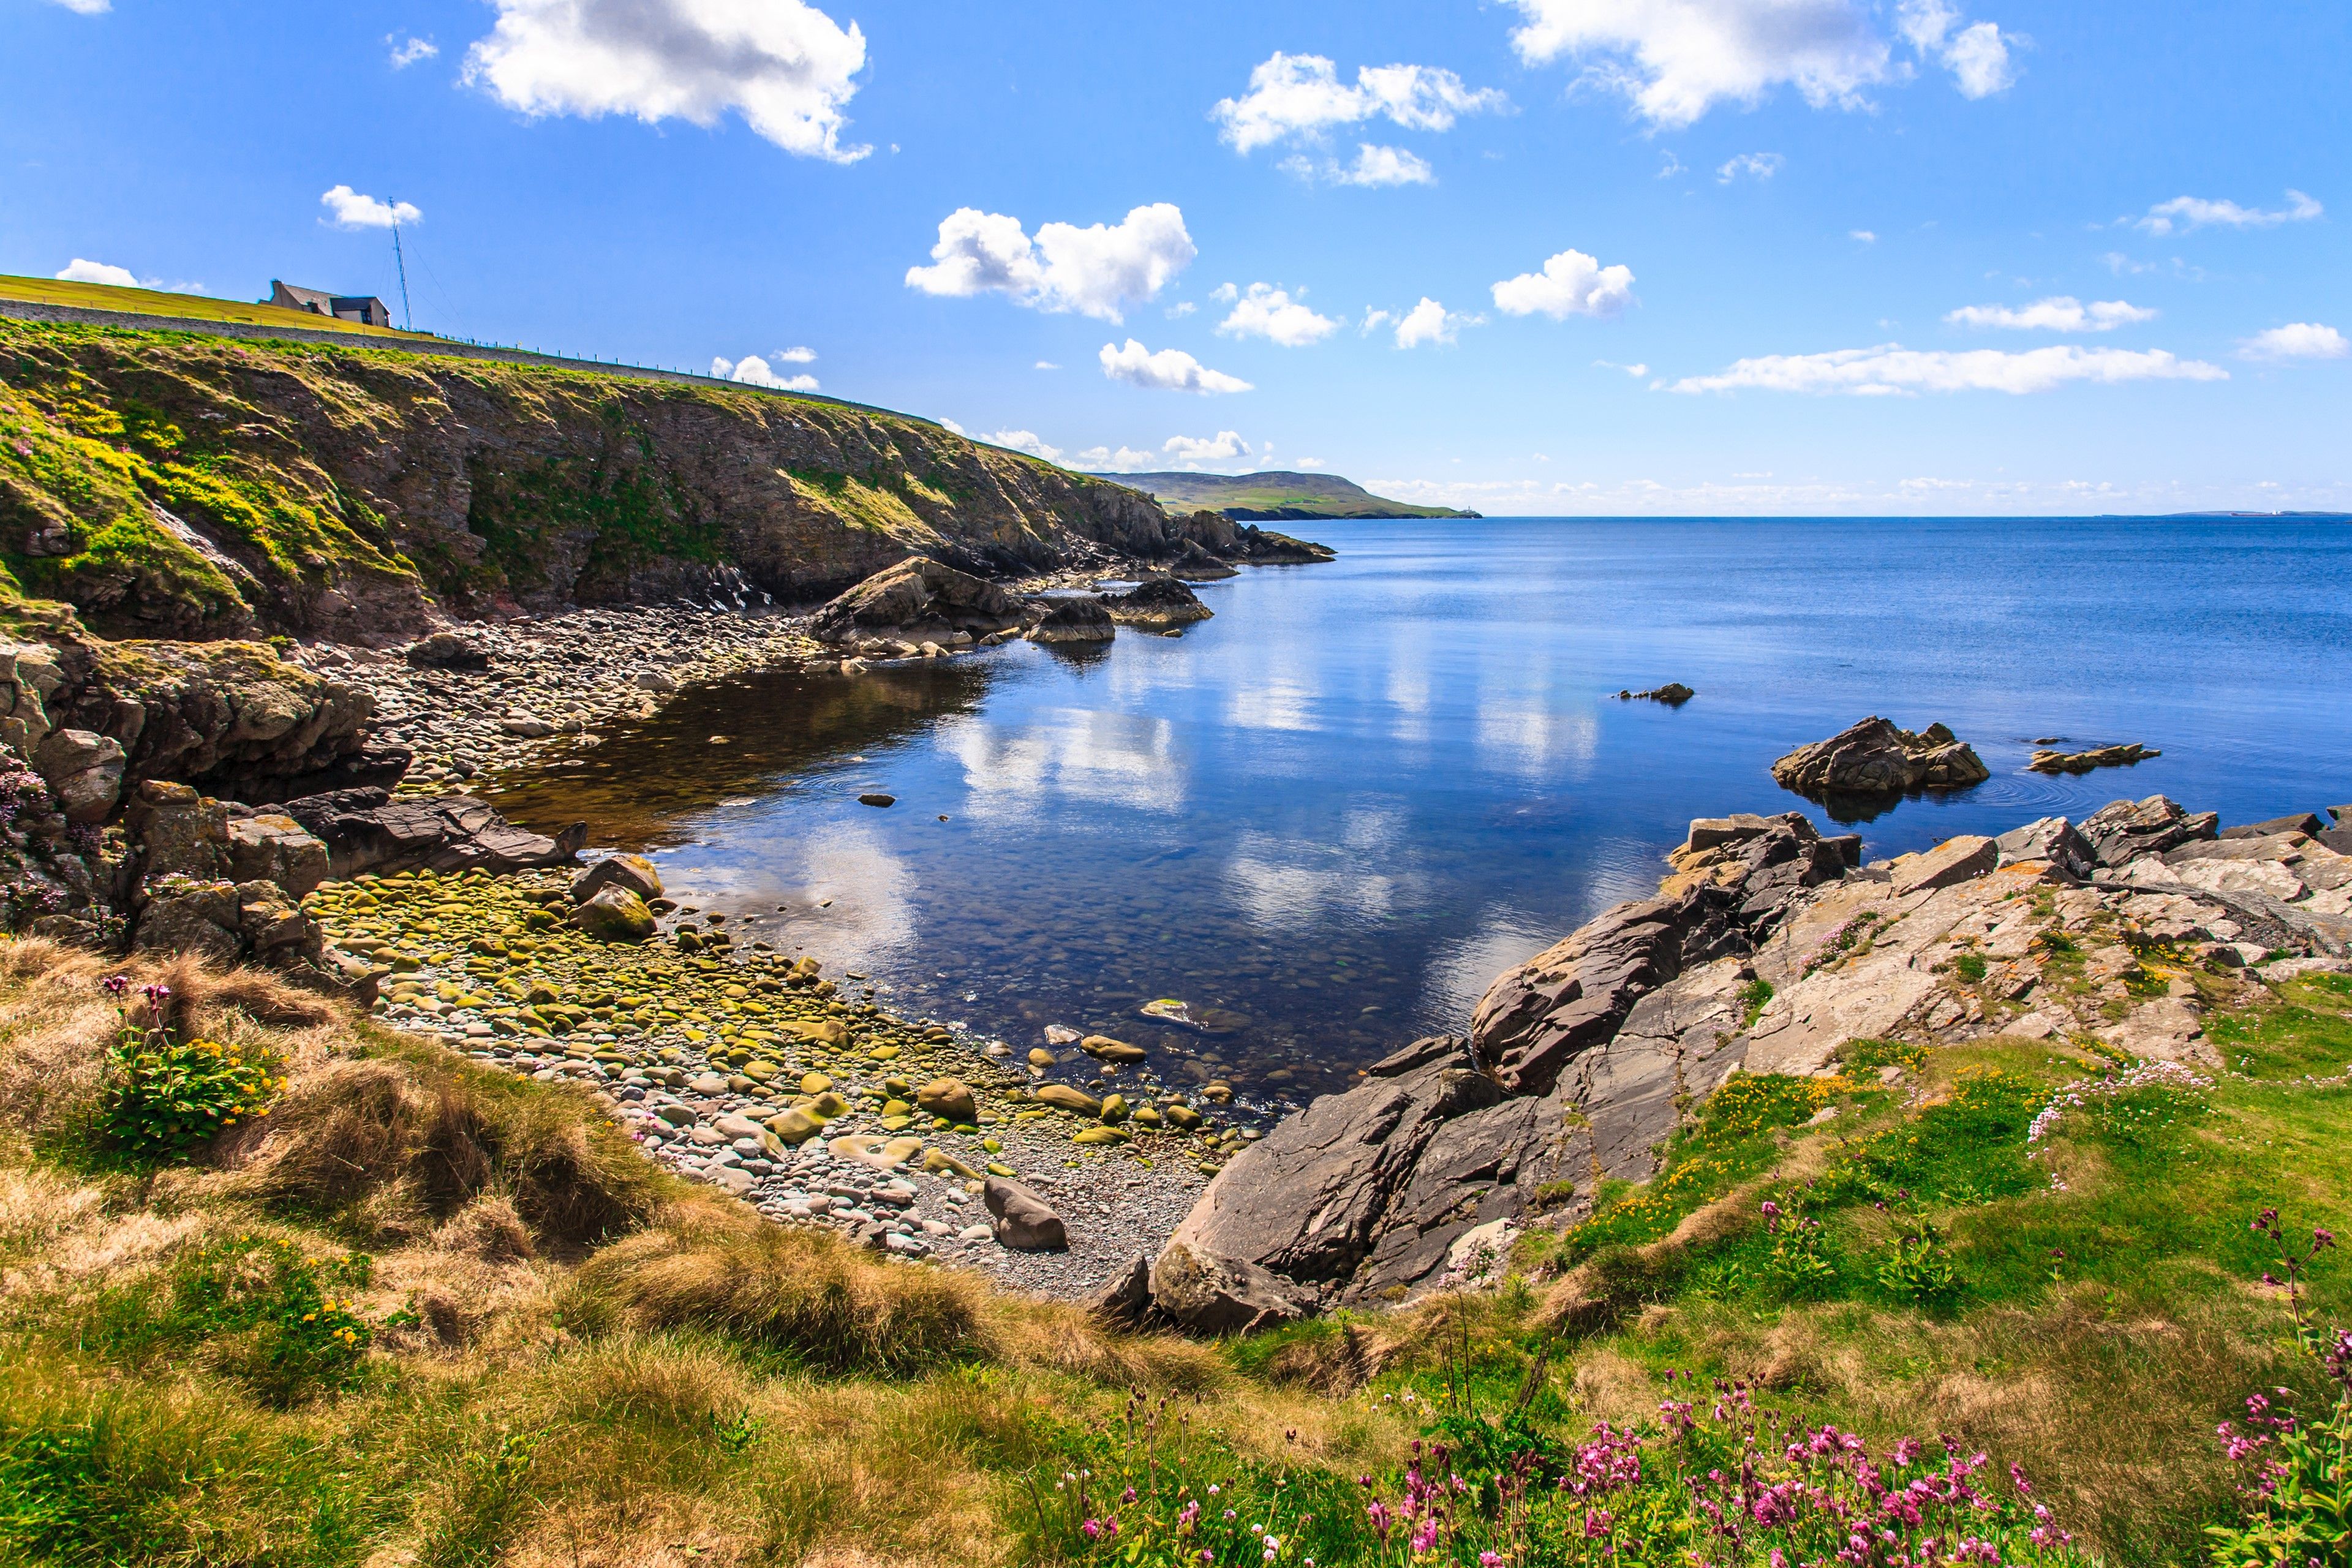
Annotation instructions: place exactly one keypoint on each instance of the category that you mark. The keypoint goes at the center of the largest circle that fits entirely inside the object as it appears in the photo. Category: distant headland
(1274, 496)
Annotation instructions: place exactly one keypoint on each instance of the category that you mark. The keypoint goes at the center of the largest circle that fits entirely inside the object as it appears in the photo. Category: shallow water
(1339, 808)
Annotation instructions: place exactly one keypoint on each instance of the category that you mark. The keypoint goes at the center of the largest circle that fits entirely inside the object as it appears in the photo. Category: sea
(1326, 819)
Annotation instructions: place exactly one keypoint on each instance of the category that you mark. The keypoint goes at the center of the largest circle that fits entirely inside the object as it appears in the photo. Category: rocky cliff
(175, 485)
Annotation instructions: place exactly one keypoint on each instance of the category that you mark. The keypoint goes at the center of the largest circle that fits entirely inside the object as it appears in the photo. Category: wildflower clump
(164, 1095)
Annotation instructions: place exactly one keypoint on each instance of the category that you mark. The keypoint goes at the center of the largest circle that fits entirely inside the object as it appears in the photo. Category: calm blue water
(1342, 805)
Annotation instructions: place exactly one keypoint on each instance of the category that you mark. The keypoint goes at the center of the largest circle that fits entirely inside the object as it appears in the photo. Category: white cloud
(1891, 369)
(1385, 166)
(1979, 61)
(1180, 310)
(1977, 55)
(754, 370)
(2059, 313)
(83, 271)
(1430, 322)
(346, 208)
(2296, 339)
(1170, 370)
(1636, 371)
(1571, 284)
(1863, 234)
(1223, 447)
(1374, 320)
(1047, 365)
(1024, 441)
(2182, 214)
(405, 55)
(1096, 271)
(1266, 311)
(1671, 167)
(88, 9)
(787, 67)
(1676, 59)
(1127, 460)
(795, 356)
(1759, 165)
(1301, 97)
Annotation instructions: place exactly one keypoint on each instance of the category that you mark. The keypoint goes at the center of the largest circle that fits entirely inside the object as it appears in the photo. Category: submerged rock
(1876, 757)
(1674, 694)
(2084, 762)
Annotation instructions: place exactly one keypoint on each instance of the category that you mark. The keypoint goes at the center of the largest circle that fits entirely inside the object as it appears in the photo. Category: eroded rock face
(2122, 831)
(1209, 1293)
(274, 848)
(367, 830)
(1877, 758)
(919, 600)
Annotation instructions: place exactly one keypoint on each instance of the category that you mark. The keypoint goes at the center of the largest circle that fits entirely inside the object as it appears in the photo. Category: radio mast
(408, 317)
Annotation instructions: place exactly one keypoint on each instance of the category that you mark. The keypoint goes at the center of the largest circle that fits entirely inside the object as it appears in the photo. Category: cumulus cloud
(80, 270)
(1222, 447)
(785, 67)
(87, 8)
(1266, 311)
(1571, 284)
(1430, 322)
(1170, 370)
(2296, 339)
(1755, 165)
(754, 370)
(1301, 98)
(1386, 166)
(405, 55)
(1892, 370)
(795, 356)
(2182, 214)
(1977, 55)
(2059, 314)
(1096, 271)
(1024, 441)
(1675, 60)
(1863, 234)
(346, 208)
(1127, 460)
(1046, 364)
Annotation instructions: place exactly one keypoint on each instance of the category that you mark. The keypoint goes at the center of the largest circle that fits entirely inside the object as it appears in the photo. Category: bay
(1326, 818)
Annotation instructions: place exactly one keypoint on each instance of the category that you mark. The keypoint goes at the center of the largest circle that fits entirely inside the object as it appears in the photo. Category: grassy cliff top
(1276, 495)
(187, 307)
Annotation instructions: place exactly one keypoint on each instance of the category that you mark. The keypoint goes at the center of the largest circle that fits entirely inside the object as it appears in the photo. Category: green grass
(186, 307)
(1276, 494)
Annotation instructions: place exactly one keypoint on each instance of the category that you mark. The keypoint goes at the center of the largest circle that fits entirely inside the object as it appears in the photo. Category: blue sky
(1529, 256)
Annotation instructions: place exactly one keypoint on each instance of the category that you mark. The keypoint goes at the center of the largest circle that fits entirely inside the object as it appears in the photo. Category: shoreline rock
(2043, 762)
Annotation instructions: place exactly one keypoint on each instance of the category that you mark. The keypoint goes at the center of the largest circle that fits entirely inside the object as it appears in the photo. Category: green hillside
(186, 307)
(1275, 495)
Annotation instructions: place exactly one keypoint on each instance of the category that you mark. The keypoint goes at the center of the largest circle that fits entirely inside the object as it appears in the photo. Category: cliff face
(179, 486)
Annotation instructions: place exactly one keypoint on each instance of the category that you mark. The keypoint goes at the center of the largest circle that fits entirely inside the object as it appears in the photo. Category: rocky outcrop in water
(1073, 618)
(367, 830)
(1157, 603)
(1877, 758)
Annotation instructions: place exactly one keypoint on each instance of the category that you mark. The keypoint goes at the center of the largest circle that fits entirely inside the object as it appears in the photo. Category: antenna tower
(408, 317)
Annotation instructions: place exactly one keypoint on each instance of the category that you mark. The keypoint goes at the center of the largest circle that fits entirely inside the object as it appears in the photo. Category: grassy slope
(577, 1360)
(1313, 495)
(189, 307)
(96, 424)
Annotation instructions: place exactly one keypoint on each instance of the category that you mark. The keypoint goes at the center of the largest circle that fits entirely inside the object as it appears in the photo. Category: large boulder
(1306, 1200)
(630, 873)
(1210, 1294)
(1157, 603)
(86, 770)
(1877, 758)
(2052, 839)
(367, 830)
(919, 600)
(273, 848)
(614, 914)
(2124, 830)
(179, 833)
(949, 1097)
(1537, 1016)
(1024, 1222)
(1072, 619)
